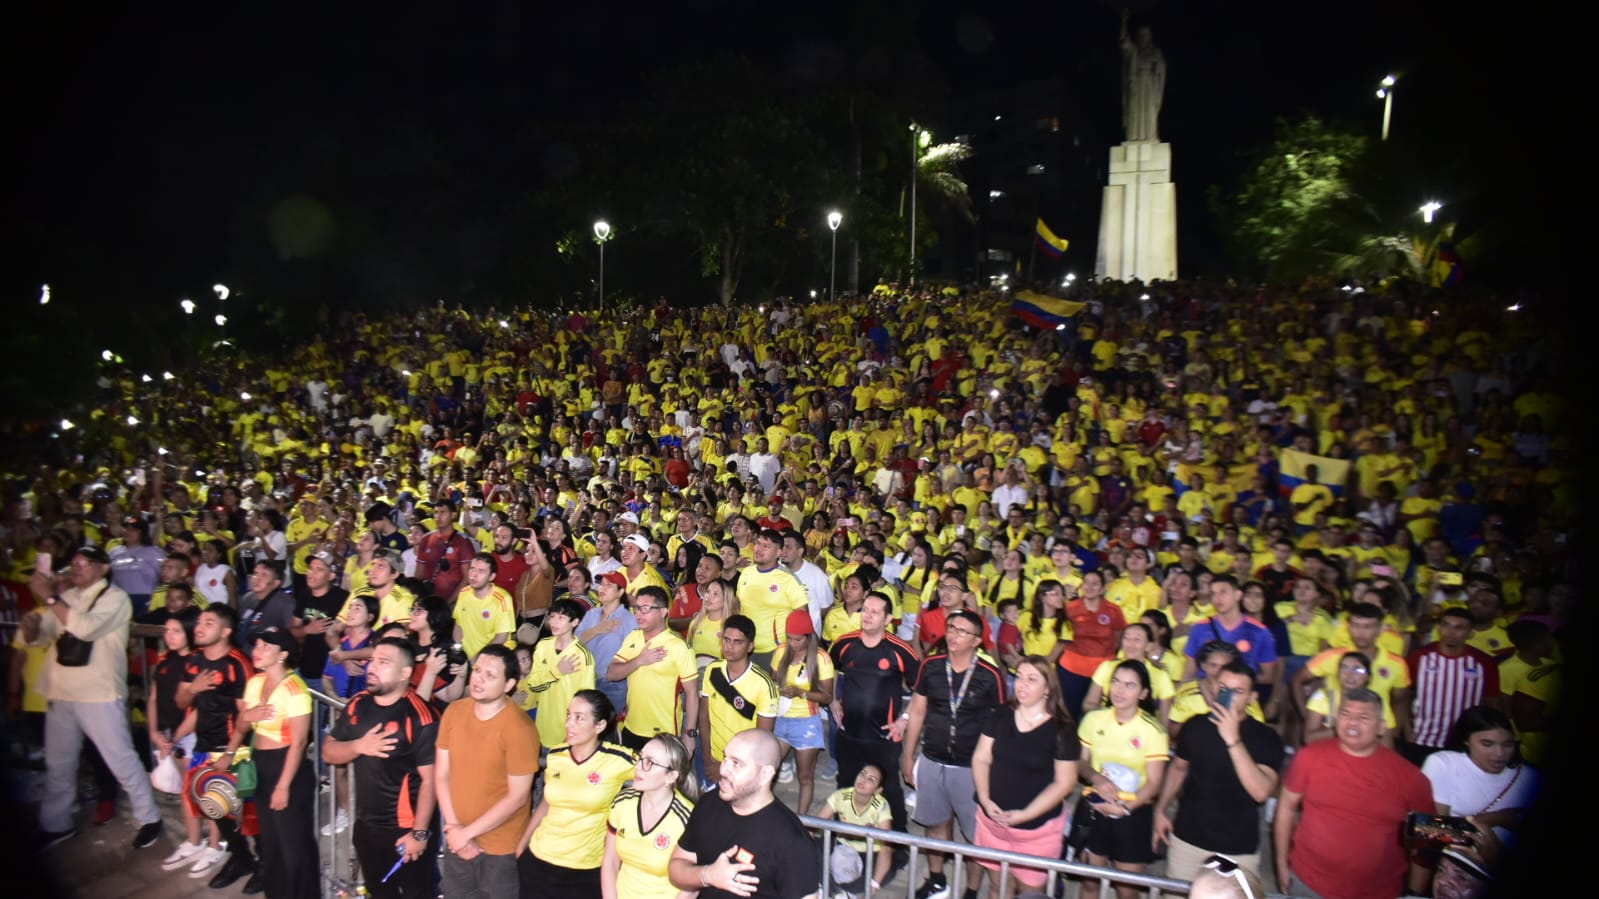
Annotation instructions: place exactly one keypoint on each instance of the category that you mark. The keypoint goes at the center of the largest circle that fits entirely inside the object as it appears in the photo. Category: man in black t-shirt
(314, 612)
(1225, 765)
(740, 841)
(874, 672)
(216, 674)
(388, 733)
(951, 701)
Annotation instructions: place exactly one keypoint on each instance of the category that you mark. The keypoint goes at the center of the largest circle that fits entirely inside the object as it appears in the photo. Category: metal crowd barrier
(830, 830)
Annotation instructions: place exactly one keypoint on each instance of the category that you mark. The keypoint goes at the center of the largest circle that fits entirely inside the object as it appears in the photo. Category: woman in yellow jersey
(704, 633)
(914, 576)
(565, 838)
(1354, 672)
(805, 686)
(1159, 653)
(355, 567)
(837, 554)
(277, 718)
(1044, 627)
(1136, 641)
(1012, 583)
(646, 821)
(817, 536)
(1125, 751)
(1309, 628)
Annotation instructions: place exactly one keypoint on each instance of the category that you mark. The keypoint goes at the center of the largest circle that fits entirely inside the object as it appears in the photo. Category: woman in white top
(1481, 774)
(604, 560)
(214, 578)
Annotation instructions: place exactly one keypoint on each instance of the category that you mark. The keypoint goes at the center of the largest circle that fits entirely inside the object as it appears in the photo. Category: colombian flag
(1043, 311)
(1447, 268)
(1052, 246)
(1330, 473)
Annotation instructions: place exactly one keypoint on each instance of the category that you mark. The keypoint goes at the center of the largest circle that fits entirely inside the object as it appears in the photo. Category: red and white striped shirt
(1446, 686)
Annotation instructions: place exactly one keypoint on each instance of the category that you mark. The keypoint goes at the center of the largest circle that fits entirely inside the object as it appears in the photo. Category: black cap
(277, 636)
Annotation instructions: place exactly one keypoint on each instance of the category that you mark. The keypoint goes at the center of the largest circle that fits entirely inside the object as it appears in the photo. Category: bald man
(740, 841)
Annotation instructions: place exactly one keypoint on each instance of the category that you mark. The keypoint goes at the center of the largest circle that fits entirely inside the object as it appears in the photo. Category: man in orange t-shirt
(487, 753)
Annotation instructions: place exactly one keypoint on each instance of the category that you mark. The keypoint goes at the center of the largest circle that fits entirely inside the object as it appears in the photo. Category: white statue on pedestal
(1143, 82)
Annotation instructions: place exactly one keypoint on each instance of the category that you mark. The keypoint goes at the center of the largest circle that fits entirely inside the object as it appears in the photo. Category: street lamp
(602, 233)
(221, 290)
(188, 306)
(1385, 93)
(920, 138)
(1429, 209)
(834, 219)
(44, 295)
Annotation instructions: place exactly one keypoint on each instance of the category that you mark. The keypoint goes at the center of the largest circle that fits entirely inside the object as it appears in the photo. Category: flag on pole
(1052, 246)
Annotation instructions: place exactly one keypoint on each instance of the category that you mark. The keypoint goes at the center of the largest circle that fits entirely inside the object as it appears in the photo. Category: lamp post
(1430, 209)
(1385, 93)
(602, 233)
(920, 138)
(834, 219)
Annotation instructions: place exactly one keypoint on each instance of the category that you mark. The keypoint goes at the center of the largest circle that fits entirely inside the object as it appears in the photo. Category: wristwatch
(421, 836)
(692, 733)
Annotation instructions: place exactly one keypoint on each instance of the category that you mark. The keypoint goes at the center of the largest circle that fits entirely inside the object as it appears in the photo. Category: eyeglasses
(637, 609)
(645, 763)
(1358, 669)
(1229, 868)
(960, 630)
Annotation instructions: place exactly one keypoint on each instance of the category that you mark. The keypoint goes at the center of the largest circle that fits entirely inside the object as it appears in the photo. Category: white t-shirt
(1467, 789)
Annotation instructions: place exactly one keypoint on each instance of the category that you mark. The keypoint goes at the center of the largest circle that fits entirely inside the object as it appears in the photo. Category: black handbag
(1084, 819)
(74, 652)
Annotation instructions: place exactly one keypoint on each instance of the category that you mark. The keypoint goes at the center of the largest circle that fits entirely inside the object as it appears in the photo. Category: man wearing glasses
(660, 670)
(953, 696)
(738, 695)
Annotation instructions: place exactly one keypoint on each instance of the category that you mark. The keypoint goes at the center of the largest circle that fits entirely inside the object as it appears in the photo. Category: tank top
(212, 582)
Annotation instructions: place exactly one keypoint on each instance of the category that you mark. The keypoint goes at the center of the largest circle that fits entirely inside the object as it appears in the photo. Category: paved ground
(100, 863)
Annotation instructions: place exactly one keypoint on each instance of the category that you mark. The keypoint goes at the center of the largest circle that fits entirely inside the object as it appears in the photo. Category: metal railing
(831, 830)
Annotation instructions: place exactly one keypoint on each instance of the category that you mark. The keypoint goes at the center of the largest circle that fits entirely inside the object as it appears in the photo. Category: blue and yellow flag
(1043, 311)
(1047, 241)
(1330, 473)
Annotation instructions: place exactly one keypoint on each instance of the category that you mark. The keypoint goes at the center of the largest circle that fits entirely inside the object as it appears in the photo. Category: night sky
(154, 139)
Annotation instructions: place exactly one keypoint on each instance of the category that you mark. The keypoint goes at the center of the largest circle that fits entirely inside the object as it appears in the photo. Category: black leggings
(289, 856)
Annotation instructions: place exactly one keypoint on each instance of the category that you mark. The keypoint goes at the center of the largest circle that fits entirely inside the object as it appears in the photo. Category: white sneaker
(785, 772)
(339, 824)
(910, 799)
(207, 861)
(181, 856)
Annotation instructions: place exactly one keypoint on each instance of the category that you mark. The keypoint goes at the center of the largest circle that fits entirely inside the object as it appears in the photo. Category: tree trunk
(732, 263)
(855, 168)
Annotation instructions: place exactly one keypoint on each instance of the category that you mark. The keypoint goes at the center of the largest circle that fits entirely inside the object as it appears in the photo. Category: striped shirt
(1446, 686)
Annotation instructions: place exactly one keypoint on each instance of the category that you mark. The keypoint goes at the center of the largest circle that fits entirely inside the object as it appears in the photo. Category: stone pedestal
(1138, 220)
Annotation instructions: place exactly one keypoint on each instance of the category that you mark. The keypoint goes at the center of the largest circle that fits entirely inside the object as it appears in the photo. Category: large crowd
(1195, 564)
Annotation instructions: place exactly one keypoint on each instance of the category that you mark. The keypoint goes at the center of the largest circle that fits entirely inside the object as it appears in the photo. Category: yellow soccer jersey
(655, 691)
(1160, 683)
(1041, 640)
(579, 795)
(480, 620)
(1134, 599)
(394, 607)
(1133, 745)
(767, 597)
(646, 851)
(735, 704)
(553, 688)
(1389, 672)
(798, 676)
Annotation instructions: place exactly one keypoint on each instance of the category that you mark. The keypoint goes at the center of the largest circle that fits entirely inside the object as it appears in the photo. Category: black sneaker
(147, 835)
(971, 893)
(254, 884)
(235, 868)
(935, 887)
(49, 839)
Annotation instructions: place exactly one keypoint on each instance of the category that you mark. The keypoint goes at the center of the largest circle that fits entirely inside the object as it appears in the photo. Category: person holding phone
(1225, 767)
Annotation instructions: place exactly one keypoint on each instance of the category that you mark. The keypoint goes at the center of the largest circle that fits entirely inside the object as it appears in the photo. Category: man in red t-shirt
(441, 556)
(1343, 807)
(513, 564)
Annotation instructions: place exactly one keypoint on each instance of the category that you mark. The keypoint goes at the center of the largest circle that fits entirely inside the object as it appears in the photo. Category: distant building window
(1036, 169)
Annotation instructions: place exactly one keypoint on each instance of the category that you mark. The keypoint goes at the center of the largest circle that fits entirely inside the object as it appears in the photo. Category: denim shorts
(802, 733)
